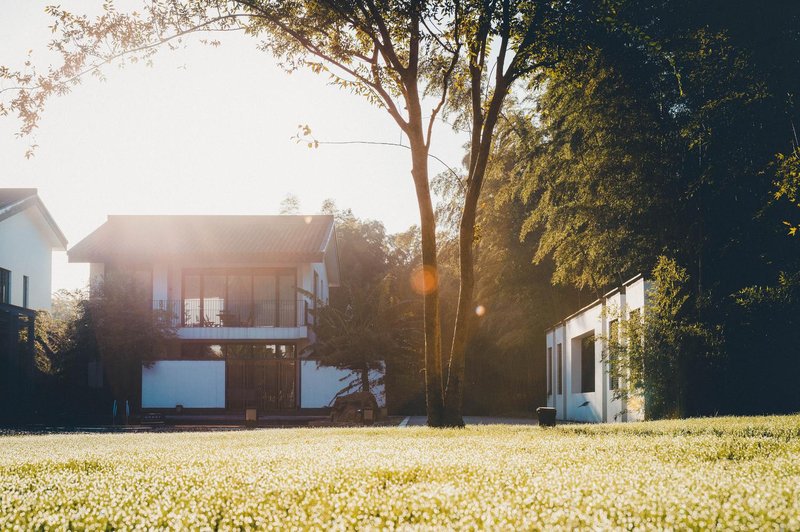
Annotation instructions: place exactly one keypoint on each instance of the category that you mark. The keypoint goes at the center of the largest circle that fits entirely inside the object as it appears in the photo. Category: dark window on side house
(5, 286)
(559, 369)
(587, 364)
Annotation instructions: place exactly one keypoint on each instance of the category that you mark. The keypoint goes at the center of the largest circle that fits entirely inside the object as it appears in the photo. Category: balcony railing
(214, 312)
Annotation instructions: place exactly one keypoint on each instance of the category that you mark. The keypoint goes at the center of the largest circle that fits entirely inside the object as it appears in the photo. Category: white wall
(191, 383)
(319, 385)
(26, 249)
(616, 407)
(583, 406)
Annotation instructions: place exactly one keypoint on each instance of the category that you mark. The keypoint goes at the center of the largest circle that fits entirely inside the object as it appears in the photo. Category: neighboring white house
(239, 290)
(28, 236)
(579, 384)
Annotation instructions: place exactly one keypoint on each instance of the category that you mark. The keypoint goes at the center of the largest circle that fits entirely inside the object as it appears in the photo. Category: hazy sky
(204, 131)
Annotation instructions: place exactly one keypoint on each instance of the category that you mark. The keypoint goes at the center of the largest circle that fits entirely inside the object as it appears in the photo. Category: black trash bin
(547, 416)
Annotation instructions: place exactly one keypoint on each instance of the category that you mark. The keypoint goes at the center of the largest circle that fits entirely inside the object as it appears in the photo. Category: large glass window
(287, 290)
(549, 371)
(265, 294)
(239, 310)
(240, 298)
(191, 300)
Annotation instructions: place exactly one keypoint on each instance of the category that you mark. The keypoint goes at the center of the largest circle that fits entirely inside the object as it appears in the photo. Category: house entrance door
(268, 385)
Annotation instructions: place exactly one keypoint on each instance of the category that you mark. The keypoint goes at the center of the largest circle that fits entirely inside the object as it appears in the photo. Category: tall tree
(414, 59)
(515, 301)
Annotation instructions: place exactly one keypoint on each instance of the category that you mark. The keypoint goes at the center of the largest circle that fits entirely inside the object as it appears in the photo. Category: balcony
(215, 312)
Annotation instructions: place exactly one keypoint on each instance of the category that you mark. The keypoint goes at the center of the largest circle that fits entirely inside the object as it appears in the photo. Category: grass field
(739, 473)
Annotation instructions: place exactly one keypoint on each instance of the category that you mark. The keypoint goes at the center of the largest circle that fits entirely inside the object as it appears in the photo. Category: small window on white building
(25, 284)
(587, 364)
(5, 286)
(549, 371)
(560, 369)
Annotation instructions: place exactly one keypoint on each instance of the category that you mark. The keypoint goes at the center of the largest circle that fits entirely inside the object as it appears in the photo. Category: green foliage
(118, 326)
(672, 342)
(657, 137)
(654, 354)
(55, 332)
(374, 327)
(725, 473)
(591, 171)
(787, 185)
(372, 322)
(290, 204)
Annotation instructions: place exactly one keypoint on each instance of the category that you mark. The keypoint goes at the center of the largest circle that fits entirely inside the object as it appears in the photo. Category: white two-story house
(239, 290)
(28, 237)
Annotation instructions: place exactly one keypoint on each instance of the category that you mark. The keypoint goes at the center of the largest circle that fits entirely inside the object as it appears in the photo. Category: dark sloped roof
(16, 200)
(237, 238)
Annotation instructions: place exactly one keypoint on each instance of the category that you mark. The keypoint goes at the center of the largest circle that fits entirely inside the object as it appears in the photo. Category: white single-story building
(240, 291)
(579, 383)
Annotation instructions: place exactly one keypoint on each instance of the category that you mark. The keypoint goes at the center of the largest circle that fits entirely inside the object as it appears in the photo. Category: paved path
(417, 421)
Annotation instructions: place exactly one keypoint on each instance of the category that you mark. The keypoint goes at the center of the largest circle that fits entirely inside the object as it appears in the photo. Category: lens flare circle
(424, 280)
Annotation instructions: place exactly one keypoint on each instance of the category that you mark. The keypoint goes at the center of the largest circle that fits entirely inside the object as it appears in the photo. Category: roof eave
(60, 241)
(271, 257)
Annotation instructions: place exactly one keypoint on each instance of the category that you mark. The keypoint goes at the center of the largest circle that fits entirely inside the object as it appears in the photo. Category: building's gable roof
(16, 200)
(599, 301)
(238, 238)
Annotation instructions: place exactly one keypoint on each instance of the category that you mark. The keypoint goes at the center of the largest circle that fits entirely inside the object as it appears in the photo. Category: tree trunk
(480, 146)
(434, 392)
(454, 390)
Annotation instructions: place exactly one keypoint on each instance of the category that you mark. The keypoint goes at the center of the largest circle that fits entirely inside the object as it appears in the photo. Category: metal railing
(217, 312)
